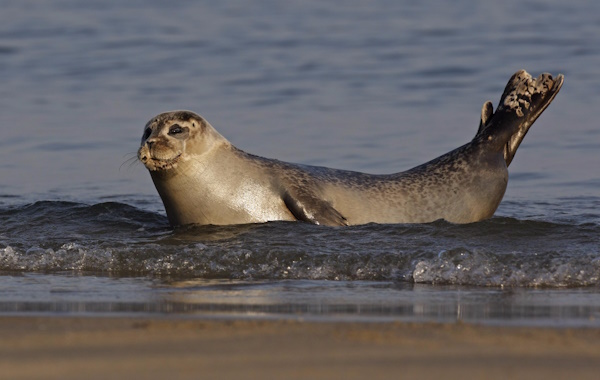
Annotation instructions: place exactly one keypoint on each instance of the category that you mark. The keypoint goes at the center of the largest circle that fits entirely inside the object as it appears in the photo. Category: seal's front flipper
(523, 101)
(309, 208)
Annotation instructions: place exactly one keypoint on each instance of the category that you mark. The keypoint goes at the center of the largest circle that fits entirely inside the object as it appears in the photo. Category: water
(377, 87)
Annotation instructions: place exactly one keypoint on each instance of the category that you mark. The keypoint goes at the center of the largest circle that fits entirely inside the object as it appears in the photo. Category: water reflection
(306, 300)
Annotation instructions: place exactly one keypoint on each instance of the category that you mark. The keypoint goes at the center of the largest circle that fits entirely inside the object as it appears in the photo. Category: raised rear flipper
(523, 101)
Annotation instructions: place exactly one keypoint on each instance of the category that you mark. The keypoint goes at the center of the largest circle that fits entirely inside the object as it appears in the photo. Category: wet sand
(127, 348)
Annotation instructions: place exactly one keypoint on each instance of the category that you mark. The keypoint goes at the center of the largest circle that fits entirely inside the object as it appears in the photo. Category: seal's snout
(142, 154)
(160, 153)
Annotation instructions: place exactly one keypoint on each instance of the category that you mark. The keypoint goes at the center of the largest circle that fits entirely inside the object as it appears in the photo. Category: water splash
(122, 240)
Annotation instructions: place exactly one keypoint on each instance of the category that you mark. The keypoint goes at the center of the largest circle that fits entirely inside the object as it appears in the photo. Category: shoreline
(156, 348)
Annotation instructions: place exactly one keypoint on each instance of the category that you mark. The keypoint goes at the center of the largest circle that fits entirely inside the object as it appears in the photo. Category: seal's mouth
(157, 164)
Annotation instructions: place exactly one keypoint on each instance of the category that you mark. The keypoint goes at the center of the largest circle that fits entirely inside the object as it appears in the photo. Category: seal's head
(173, 137)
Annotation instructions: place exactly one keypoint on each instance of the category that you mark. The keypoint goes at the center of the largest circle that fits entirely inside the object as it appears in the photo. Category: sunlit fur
(203, 179)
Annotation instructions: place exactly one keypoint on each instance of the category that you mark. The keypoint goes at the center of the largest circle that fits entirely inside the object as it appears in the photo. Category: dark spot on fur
(147, 134)
(186, 115)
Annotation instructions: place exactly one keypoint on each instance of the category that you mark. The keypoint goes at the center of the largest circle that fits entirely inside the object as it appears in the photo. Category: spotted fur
(203, 179)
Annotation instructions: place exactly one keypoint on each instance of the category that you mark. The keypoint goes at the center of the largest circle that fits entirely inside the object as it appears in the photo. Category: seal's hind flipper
(486, 113)
(309, 208)
(523, 101)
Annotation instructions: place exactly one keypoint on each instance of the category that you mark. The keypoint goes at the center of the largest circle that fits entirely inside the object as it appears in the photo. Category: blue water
(375, 86)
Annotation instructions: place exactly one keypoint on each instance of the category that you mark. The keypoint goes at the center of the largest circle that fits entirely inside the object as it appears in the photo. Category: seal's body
(203, 179)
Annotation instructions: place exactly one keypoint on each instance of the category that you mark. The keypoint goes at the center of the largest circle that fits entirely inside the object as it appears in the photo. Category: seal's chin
(160, 164)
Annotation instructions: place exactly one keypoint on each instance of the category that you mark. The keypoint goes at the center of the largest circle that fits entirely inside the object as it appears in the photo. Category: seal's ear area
(198, 124)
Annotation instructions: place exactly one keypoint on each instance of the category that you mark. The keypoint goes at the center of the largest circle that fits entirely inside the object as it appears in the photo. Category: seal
(203, 179)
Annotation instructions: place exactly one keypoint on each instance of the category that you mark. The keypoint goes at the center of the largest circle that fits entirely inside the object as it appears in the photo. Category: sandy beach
(126, 348)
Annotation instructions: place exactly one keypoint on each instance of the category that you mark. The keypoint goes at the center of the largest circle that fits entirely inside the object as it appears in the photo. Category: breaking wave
(121, 240)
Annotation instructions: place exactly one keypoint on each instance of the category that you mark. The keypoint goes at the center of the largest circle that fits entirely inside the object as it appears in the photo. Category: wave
(122, 240)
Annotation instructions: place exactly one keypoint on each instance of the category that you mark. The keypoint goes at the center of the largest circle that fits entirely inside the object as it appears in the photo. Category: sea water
(376, 86)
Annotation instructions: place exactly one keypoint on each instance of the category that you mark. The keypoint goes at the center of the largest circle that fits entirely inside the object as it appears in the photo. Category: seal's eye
(147, 134)
(175, 129)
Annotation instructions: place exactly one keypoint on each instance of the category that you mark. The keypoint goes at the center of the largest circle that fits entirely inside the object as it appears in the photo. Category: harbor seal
(203, 179)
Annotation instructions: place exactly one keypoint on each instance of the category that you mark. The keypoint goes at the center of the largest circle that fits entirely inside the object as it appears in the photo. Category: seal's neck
(189, 190)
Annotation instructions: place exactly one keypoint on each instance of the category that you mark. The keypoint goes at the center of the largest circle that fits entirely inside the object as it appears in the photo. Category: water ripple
(119, 239)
